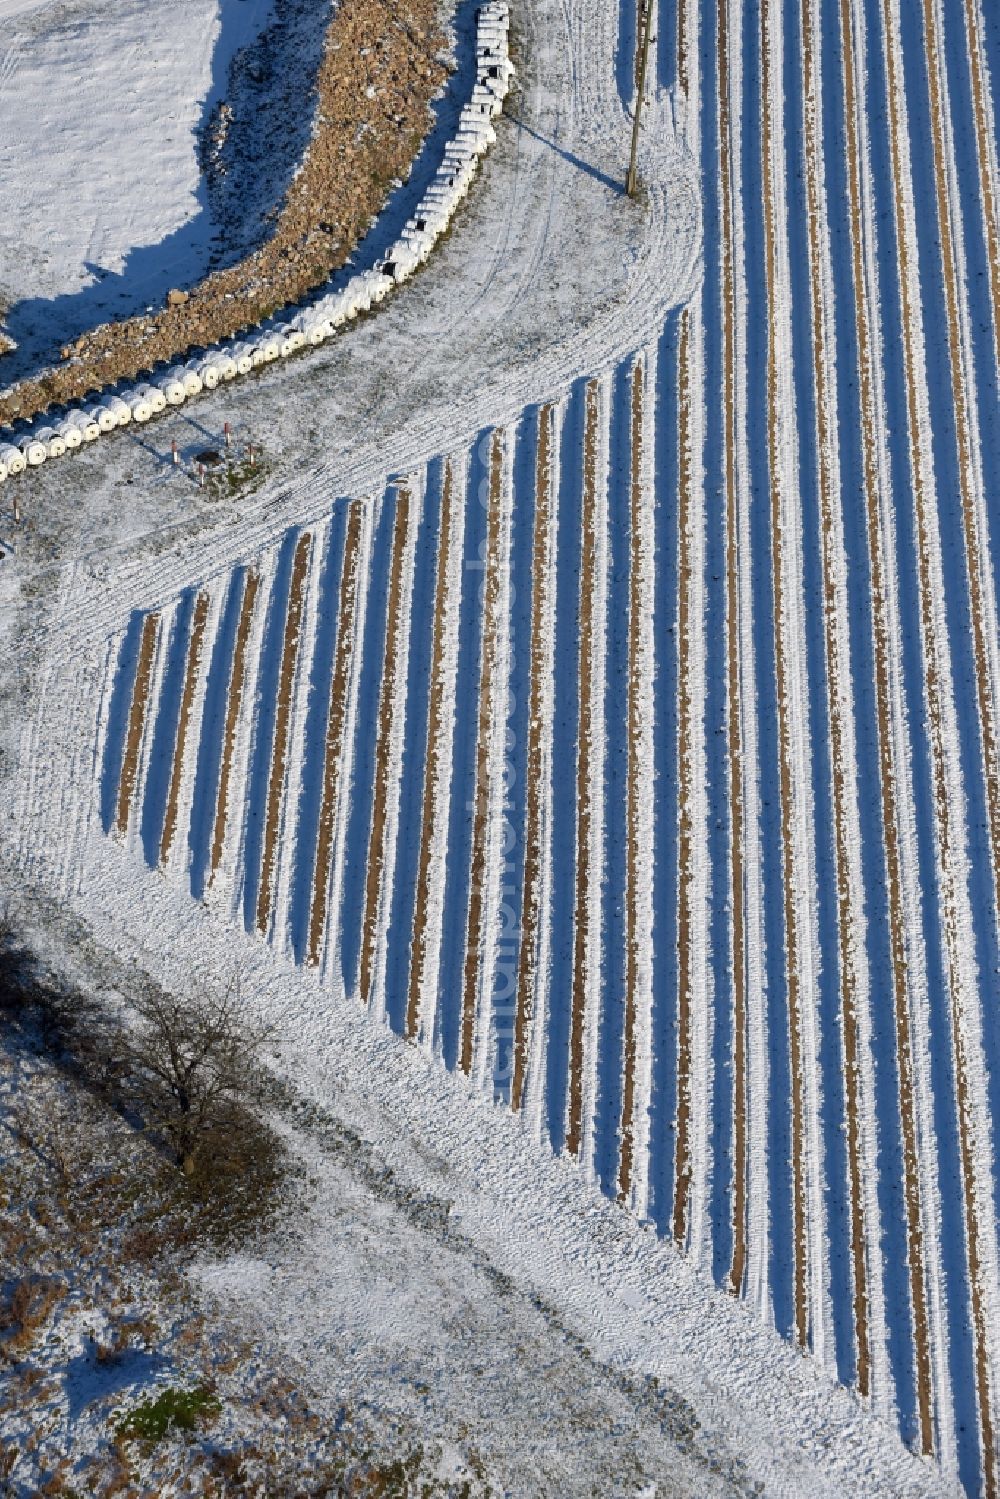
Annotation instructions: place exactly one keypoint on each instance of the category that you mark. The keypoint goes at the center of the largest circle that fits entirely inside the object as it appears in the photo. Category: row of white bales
(49, 438)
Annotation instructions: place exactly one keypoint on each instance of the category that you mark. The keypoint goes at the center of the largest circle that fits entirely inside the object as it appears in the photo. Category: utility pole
(632, 181)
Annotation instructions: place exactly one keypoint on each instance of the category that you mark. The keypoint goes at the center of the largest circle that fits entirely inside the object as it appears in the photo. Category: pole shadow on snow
(617, 185)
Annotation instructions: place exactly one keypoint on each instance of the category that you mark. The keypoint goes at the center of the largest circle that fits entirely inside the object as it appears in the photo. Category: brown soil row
(477, 877)
(685, 829)
(734, 705)
(183, 723)
(387, 49)
(584, 808)
(541, 555)
(237, 679)
(633, 810)
(436, 731)
(964, 441)
(336, 719)
(136, 720)
(840, 745)
(389, 706)
(279, 751)
(887, 780)
(789, 872)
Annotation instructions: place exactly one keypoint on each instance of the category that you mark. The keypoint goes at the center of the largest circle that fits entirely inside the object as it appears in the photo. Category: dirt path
(789, 871)
(136, 720)
(584, 809)
(841, 741)
(541, 665)
(251, 588)
(183, 723)
(437, 727)
(390, 705)
(477, 877)
(633, 810)
(381, 68)
(887, 777)
(279, 751)
(336, 717)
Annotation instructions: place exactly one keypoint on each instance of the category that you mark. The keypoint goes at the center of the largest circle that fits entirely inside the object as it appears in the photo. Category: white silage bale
(13, 458)
(362, 295)
(244, 358)
(173, 387)
(316, 330)
(210, 373)
(138, 404)
(377, 286)
(70, 434)
(226, 364)
(292, 340)
(271, 346)
(420, 243)
(103, 416)
(34, 450)
(154, 395)
(405, 261)
(120, 410)
(353, 298)
(3, 467)
(55, 447)
(90, 429)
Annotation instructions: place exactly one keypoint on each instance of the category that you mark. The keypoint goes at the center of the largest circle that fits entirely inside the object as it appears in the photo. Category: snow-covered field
(583, 737)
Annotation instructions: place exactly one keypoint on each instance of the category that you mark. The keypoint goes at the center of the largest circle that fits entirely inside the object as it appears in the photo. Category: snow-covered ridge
(140, 400)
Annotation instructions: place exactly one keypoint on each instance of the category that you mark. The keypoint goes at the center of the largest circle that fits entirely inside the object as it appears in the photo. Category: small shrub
(31, 1302)
(181, 1410)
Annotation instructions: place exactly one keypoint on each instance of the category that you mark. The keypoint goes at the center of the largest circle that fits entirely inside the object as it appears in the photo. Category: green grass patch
(181, 1409)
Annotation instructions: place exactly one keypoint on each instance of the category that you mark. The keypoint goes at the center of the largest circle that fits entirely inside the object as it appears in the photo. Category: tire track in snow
(886, 693)
(192, 669)
(686, 731)
(782, 606)
(390, 711)
(967, 1049)
(528, 975)
(586, 940)
(633, 1165)
(279, 748)
(948, 800)
(437, 728)
(734, 716)
(237, 680)
(853, 978)
(476, 915)
(334, 744)
(136, 721)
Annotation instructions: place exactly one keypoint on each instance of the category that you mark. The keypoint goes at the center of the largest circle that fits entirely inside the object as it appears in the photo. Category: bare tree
(197, 1067)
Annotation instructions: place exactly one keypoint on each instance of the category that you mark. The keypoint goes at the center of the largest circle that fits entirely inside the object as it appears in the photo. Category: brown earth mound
(380, 70)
